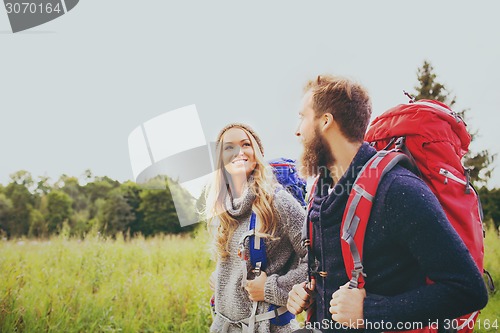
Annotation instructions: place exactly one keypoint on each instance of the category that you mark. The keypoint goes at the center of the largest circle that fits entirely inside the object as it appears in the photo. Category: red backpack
(430, 139)
(434, 139)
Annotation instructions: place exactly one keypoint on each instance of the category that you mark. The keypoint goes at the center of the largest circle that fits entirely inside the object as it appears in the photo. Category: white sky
(72, 90)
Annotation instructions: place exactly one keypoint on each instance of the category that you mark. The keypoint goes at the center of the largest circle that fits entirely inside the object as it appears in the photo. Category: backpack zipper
(281, 164)
(448, 175)
(452, 113)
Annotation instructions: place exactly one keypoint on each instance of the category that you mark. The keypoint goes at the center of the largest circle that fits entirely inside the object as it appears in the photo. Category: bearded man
(408, 238)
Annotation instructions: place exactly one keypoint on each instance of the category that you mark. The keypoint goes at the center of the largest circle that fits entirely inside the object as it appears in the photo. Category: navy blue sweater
(408, 238)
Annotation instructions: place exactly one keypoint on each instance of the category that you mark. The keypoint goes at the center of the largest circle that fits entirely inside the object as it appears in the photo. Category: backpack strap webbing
(358, 209)
(308, 243)
(277, 315)
(257, 248)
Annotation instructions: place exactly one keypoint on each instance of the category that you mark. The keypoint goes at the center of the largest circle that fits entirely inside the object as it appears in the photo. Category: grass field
(154, 285)
(490, 316)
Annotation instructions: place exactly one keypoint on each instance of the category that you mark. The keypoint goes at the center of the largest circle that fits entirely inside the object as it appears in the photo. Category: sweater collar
(241, 206)
(343, 187)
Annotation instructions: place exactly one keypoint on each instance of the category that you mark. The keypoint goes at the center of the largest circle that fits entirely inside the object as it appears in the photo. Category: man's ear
(326, 121)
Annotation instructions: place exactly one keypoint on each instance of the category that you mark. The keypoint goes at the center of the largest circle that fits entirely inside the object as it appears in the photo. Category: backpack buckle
(257, 270)
(356, 272)
(242, 253)
(400, 143)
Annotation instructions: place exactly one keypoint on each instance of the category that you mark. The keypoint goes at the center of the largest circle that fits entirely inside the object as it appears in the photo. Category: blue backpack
(287, 175)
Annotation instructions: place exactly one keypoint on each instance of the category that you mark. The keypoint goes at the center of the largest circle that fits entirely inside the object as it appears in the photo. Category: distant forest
(78, 206)
(36, 208)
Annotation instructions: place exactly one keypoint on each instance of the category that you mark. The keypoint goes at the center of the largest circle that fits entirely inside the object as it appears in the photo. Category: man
(408, 238)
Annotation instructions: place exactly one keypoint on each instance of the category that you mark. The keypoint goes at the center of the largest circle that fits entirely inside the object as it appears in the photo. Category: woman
(244, 186)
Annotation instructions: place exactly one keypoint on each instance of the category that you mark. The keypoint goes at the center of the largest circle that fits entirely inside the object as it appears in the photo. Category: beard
(317, 156)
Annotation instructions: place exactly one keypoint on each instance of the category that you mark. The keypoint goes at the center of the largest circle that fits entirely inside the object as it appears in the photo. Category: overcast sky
(72, 90)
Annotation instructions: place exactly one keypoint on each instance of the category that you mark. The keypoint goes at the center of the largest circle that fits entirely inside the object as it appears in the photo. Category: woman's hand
(211, 281)
(255, 288)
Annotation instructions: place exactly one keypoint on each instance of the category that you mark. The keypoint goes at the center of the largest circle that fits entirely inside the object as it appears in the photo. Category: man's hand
(300, 297)
(255, 287)
(346, 306)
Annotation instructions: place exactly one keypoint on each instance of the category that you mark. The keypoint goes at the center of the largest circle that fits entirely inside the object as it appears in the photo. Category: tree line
(38, 209)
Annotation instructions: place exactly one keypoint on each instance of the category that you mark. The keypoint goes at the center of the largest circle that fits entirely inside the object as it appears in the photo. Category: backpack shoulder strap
(308, 243)
(307, 232)
(278, 315)
(257, 248)
(358, 209)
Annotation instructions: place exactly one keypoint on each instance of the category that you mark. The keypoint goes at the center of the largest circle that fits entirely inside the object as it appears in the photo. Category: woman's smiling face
(238, 155)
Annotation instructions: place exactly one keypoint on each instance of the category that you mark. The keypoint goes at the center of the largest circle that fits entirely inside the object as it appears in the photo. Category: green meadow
(96, 285)
(140, 285)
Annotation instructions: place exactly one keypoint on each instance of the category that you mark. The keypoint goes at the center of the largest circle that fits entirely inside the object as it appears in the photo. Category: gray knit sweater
(285, 266)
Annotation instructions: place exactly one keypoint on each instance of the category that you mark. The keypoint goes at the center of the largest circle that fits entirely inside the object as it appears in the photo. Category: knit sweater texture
(286, 265)
(408, 238)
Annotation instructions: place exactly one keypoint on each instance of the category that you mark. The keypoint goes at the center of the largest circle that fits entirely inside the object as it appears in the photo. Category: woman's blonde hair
(263, 187)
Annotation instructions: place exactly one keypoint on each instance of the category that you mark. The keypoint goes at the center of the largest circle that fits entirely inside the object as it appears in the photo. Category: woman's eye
(228, 147)
(247, 144)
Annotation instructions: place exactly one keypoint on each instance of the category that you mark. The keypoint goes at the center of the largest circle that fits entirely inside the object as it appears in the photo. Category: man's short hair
(347, 101)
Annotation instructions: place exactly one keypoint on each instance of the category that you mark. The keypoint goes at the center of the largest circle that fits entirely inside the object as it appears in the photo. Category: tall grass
(154, 285)
(489, 319)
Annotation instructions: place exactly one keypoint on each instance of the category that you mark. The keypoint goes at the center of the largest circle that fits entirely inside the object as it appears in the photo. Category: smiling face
(238, 156)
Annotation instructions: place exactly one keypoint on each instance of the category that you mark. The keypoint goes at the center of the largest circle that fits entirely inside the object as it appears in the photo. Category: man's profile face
(307, 118)
(317, 155)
